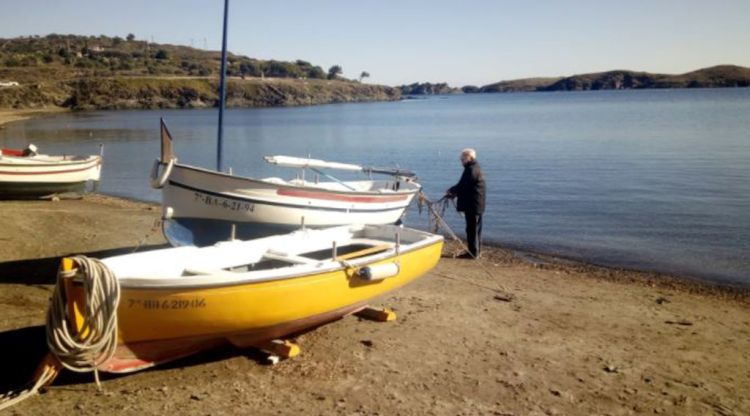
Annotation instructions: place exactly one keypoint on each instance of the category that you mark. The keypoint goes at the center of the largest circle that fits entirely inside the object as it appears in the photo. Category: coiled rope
(94, 343)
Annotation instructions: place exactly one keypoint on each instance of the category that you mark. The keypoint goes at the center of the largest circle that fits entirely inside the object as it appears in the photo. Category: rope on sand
(155, 228)
(81, 350)
(436, 218)
(46, 373)
(437, 222)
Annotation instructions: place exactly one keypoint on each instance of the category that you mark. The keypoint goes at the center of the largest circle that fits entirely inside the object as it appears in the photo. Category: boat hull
(136, 356)
(35, 189)
(30, 176)
(208, 203)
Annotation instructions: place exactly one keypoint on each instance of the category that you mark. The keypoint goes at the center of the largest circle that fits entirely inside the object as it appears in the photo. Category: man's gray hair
(469, 152)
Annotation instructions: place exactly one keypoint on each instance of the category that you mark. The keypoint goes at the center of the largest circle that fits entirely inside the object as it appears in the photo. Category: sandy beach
(11, 115)
(574, 339)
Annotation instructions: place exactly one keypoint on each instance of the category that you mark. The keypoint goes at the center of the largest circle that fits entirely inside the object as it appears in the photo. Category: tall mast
(222, 93)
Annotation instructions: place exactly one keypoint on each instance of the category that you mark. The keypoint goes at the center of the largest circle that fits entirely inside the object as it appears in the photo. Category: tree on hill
(364, 75)
(128, 56)
(334, 71)
(249, 68)
(161, 54)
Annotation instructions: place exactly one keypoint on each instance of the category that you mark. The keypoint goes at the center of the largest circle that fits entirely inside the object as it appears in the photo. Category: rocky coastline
(119, 93)
(721, 76)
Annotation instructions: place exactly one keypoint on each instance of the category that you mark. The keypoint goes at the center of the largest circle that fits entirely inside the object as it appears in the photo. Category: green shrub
(161, 54)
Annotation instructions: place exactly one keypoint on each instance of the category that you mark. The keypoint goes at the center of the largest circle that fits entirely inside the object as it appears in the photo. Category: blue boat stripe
(279, 204)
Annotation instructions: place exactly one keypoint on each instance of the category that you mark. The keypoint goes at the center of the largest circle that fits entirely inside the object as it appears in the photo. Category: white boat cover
(300, 162)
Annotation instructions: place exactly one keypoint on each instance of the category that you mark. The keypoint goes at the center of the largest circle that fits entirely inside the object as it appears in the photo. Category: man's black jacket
(470, 189)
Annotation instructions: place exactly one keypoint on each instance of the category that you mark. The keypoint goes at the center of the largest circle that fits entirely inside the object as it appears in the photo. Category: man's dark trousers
(474, 232)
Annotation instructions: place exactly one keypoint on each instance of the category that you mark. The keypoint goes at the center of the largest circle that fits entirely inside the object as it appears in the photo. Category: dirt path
(574, 340)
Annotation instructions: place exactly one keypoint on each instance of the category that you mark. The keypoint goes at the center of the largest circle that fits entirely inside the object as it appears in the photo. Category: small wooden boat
(177, 301)
(24, 173)
(201, 206)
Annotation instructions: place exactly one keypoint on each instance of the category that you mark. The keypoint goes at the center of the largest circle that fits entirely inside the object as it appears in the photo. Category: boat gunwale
(416, 186)
(279, 202)
(90, 159)
(329, 265)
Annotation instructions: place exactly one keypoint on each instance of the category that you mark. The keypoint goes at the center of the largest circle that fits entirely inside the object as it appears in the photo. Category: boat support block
(377, 314)
(278, 349)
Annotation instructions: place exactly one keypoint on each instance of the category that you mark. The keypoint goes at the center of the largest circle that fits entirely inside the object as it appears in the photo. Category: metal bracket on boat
(158, 180)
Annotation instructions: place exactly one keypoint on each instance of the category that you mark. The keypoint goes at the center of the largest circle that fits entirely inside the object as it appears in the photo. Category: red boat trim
(11, 152)
(47, 172)
(339, 197)
(287, 205)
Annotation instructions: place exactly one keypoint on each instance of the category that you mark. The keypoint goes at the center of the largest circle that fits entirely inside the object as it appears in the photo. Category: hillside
(518, 85)
(713, 77)
(427, 88)
(99, 72)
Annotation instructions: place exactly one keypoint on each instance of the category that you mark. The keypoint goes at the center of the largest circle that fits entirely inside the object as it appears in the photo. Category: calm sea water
(655, 180)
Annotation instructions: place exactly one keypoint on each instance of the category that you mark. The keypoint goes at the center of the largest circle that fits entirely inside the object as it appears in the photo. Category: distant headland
(714, 77)
(102, 72)
(56, 72)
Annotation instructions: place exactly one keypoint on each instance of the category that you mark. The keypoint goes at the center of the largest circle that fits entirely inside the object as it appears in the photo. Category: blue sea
(652, 180)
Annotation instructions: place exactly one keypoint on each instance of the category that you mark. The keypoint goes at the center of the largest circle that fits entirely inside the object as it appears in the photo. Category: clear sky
(459, 42)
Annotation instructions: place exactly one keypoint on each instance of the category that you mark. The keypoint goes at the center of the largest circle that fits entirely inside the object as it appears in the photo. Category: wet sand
(574, 339)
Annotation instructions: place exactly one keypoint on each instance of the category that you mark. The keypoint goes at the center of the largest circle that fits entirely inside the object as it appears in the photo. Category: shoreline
(647, 275)
(650, 278)
(543, 260)
(11, 115)
(546, 261)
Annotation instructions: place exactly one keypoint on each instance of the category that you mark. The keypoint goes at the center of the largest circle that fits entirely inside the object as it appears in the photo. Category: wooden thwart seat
(364, 252)
(291, 258)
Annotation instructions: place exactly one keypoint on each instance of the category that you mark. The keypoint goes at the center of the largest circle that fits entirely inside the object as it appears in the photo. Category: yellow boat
(177, 301)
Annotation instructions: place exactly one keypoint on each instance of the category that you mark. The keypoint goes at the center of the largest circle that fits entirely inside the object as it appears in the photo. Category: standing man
(470, 191)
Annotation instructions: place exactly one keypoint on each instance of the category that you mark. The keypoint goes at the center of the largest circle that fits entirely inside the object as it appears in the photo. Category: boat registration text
(228, 204)
(194, 303)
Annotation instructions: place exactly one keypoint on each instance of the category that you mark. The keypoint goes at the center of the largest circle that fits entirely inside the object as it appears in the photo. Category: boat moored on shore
(177, 301)
(25, 174)
(203, 206)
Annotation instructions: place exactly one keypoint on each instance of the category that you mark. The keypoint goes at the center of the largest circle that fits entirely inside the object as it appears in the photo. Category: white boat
(24, 173)
(203, 206)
